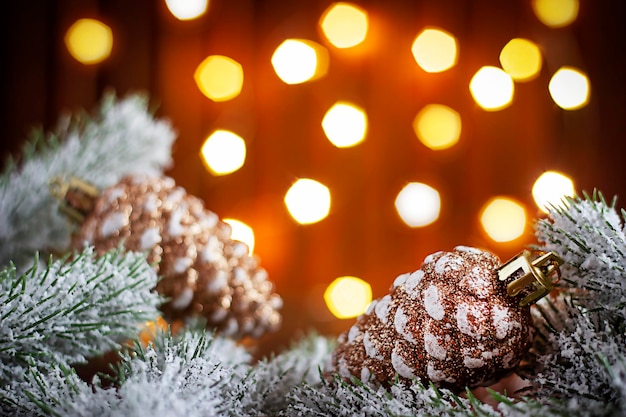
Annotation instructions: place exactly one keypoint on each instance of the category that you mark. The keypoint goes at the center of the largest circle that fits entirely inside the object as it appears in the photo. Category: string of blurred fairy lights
(437, 126)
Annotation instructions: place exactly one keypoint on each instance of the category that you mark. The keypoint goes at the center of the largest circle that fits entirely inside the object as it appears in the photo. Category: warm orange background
(499, 152)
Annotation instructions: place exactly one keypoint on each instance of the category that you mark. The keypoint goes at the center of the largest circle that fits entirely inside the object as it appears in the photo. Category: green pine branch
(71, 310)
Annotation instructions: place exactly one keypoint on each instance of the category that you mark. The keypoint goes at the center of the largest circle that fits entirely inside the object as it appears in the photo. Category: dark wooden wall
(499, 152)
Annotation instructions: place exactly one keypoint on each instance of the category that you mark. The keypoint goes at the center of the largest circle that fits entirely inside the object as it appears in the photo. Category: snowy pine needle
(121, 138)
(72, 310)
(588, 234)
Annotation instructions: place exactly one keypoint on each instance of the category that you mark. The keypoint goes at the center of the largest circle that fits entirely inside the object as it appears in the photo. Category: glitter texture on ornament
(450, 322)
(204, 272)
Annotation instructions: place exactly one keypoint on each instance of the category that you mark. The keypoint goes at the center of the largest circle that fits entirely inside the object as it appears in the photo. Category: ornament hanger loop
(531, 273)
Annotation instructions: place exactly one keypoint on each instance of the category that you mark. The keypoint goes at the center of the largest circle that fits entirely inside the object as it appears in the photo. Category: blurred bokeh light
(241, 232)
(569, 88)
(503, 219)
(347, 297)
(492, 88)
(220, 78)
(418, 204)
(89, 41)
(187, 9)
(308, 201)
(437, 126)
(223, 152)
(344, 24)
(556, 13)
(300, 60)
(551, 188)
(521, 59)
(345, 124)
(435, 50)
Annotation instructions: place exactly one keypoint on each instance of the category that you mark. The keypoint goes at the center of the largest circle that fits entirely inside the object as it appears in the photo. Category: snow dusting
(149, 238)
(501, 321)
(468, 249)
(432, 303)
(432, 346)
(370, 348)
(183, 300)
(463, 321)
(400, 322)
(399, 365)
(218, 282)
(174, 226)
(400, 280)
(182, 264)
(353, 333)
(448, 262)
(382, 308)
(437, 375)
(113, 223)
(473, 363)
(413, 280)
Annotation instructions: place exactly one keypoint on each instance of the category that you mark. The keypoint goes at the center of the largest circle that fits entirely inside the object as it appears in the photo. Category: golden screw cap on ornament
(451, 322)
(203, 271)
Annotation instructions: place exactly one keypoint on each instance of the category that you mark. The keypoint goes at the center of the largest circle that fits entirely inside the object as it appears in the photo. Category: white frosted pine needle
(122, 138)
(73, 310)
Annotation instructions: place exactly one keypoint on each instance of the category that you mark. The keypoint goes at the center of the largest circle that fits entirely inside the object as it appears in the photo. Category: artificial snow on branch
(122, 138)
(588, 233)
(71, 311)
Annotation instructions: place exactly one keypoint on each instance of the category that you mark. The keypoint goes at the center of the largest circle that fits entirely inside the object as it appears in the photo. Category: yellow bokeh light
(241, 232)
(418, 204)
(348, 297)
(492, 88)
(435, 50)
(345, 124)
(503, 219)
(521, 59)
(220, 78)
(308, 201)
(187, 9)
(223, 152)
(569, 88)
(437, 126)
(296, 61)
(344, 24)
(551, 188)
(556, 13)
(89, 41)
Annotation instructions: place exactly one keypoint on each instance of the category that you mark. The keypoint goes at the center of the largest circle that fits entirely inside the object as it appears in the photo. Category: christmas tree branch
(587, 233)
(121, 138)
(70, 311)
(189, 375)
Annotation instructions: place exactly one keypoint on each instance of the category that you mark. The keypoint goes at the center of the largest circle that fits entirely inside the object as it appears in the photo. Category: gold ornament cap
(531, 275)
(76, 197)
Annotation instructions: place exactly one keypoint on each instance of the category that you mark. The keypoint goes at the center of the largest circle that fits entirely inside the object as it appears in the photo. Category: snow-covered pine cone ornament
(203, 271)
(454, 322)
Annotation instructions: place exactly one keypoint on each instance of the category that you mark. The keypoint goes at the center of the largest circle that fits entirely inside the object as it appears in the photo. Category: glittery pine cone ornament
(452, 322)
(203, 271)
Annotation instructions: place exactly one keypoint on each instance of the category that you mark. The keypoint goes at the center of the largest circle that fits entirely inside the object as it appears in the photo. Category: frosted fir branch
(72, 310)
(187, 375)
(337, 397)
(264, 390)
(587, 233)
(121, 138)
(576, 358)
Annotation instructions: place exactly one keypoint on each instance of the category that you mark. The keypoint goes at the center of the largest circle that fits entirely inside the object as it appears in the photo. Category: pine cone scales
(450, 322)
(204, 272)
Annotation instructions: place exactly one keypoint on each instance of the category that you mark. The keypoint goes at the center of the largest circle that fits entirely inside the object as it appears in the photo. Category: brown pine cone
(204, 272)
(450, 322)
